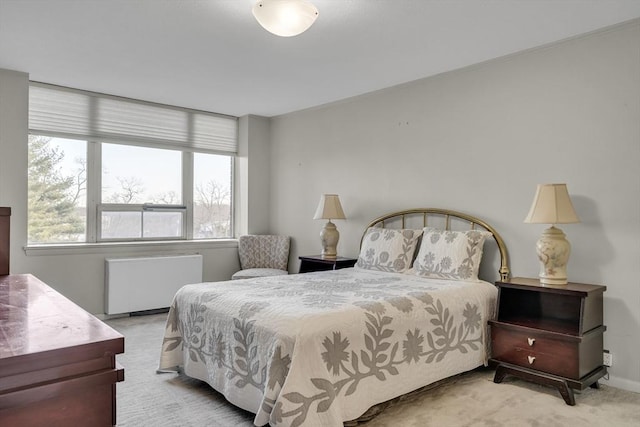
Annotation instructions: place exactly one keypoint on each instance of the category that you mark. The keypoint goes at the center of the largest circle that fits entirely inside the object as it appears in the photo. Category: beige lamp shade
(329, 208)
(285, 18)
(552, 205)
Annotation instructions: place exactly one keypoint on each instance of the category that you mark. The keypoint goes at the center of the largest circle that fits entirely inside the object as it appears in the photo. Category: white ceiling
(213, 55)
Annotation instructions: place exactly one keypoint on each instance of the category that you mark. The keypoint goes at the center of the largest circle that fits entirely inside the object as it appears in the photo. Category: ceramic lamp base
(329, 237)
(553, 251)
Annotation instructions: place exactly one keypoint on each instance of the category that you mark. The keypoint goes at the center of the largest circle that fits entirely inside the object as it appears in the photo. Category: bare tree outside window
(166, 198)
(129, 192)
(212, 211)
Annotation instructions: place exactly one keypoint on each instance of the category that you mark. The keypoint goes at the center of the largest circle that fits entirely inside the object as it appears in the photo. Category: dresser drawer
(558, 354)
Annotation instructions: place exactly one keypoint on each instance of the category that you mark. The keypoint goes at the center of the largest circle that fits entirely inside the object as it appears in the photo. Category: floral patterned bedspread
(318, 349)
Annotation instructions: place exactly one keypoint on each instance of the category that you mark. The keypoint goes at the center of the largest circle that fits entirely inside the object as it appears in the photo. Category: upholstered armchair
(262, 255)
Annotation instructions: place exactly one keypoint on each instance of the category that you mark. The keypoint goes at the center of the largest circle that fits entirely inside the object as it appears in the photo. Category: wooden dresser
(57, 362)
(5, 214)
(551, 335)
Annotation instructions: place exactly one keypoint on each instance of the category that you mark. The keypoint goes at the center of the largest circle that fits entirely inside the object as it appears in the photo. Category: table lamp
(552, 205)
(329, 208)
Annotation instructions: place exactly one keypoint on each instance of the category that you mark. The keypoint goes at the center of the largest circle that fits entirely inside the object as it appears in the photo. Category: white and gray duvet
(318, 349)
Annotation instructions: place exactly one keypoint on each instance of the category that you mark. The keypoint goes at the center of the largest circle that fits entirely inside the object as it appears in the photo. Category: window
(103, 168)
(57, 190)
(141, 193)
(212, 196)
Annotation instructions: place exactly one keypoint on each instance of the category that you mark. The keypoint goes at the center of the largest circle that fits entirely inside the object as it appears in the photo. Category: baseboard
(622, 383)
(149, 312)
(103, 316)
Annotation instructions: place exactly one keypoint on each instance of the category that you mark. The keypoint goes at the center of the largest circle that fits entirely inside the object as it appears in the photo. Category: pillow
(453, 255)
(387, 249)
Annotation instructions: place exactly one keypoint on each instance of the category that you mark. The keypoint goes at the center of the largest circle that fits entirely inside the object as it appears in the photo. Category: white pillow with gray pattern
(453, 255)
(389, 250)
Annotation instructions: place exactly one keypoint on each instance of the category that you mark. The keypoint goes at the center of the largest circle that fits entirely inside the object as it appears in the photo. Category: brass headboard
(447, 214)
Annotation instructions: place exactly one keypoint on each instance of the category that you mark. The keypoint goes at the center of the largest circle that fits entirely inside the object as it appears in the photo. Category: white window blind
(71, 113)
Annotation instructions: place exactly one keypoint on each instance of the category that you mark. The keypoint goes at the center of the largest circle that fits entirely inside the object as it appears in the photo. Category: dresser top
(35, 319)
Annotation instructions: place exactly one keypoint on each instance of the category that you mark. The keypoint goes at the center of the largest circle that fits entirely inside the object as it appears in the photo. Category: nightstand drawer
(558, 354)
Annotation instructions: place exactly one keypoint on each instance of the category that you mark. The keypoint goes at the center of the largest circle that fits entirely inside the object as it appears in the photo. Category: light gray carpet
(472, 399)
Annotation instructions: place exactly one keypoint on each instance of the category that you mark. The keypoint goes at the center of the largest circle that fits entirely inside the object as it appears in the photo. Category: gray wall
(252, 176)
(478, 140)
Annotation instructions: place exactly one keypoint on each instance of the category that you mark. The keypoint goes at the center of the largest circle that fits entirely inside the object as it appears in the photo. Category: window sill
(134, 247)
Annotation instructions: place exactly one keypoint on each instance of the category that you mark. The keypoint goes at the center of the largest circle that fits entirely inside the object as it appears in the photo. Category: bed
(322, 348)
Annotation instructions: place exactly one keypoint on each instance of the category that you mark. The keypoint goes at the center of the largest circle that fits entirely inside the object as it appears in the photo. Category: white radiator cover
(139, 284)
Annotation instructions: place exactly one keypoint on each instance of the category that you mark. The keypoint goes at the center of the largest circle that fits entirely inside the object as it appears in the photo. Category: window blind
(72, 113)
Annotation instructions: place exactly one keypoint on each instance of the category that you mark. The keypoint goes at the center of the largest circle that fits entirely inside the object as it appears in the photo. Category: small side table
(551, 335)
(318, 263)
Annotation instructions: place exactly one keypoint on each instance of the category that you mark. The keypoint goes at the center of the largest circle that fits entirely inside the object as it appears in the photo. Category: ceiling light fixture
(285, 18)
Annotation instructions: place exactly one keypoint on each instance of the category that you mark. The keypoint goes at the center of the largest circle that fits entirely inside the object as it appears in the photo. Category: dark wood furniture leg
(561, 385)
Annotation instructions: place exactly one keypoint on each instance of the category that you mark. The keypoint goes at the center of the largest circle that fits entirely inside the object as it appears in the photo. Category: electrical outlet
(607, 358)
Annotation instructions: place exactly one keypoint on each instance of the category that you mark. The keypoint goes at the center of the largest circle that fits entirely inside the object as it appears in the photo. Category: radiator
(139, 284)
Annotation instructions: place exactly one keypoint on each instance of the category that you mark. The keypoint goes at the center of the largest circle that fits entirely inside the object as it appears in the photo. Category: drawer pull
(531, 341)
(531, 359)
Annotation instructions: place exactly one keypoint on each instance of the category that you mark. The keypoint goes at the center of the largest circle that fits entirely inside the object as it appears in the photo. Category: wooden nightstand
(551, 335)
(317, 263)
